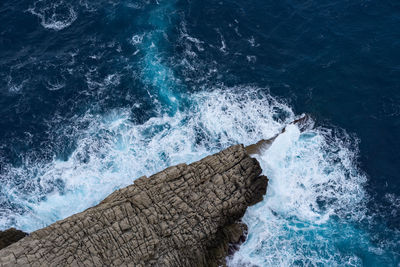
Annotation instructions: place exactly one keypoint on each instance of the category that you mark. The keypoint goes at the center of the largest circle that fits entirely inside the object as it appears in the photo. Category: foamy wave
(314, 199)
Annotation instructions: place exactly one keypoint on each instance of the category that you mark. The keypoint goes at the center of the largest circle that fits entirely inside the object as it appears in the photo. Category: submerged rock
(186, 215)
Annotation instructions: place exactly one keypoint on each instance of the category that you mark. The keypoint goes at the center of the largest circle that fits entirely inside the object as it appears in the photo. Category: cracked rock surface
(186, 215)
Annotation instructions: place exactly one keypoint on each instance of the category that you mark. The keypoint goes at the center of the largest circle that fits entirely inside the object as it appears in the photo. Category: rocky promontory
(186, 215)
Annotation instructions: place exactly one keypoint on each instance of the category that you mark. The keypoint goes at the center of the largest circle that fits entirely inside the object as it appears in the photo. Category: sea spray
(314, 205)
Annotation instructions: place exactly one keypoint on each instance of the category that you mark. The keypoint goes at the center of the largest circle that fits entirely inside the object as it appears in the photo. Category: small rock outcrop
(10, 236)
(186, 215)
(303, 122)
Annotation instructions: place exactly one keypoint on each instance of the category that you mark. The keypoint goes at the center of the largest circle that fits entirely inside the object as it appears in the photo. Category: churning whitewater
(113, 151)
(151, 90)
(315, 188)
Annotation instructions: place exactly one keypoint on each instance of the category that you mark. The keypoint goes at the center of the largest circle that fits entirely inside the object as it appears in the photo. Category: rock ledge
(186, 215)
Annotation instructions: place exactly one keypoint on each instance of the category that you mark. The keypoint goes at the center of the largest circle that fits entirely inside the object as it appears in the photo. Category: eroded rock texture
(185, 215)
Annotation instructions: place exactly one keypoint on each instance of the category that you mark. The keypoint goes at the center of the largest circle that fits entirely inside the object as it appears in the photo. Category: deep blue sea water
(94, 94)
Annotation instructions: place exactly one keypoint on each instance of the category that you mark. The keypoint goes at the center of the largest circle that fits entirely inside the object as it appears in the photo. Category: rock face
(186, 215)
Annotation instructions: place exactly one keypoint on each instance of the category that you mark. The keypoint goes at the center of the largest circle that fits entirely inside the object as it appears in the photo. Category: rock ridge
(185, 215)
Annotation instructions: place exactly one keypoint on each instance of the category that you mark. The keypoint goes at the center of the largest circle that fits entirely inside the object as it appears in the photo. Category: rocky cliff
(186, 215)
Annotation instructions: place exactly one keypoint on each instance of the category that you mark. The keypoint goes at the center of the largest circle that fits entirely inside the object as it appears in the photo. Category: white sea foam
(54, 15)
(113, 151)
(314, 193)
(137, 39)
(57, 85)
(251, 59)
(16, 85)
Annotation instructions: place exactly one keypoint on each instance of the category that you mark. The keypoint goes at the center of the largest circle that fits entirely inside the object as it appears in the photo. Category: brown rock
(186, 215)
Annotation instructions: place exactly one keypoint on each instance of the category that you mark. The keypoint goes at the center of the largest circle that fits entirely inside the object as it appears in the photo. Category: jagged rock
(302, 122)
(10, 236)
(186, 215)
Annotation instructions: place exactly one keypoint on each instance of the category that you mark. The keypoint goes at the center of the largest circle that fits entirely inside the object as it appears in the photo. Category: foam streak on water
(54, 15)
(155, 72)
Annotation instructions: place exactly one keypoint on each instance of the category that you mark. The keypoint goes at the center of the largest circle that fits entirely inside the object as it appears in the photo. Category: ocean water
(94, 94)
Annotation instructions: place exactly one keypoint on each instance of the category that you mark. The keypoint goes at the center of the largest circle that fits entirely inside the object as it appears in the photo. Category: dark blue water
(94, 94)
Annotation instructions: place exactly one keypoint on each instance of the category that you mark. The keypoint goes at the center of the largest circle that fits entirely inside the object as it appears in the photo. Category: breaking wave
(113, 151)
(314, 213)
